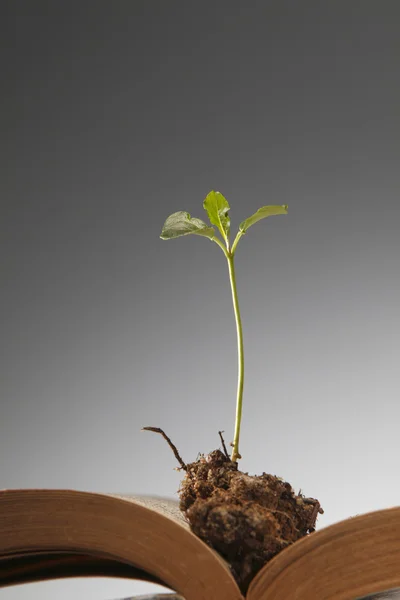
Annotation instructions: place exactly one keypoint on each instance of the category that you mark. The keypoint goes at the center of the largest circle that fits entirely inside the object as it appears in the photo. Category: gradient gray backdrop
(116, 114)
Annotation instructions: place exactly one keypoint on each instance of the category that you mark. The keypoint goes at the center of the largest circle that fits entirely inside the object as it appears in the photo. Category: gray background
(116, 114)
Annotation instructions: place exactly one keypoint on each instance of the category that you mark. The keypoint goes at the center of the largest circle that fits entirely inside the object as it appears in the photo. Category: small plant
(248, 519)
(181, 223)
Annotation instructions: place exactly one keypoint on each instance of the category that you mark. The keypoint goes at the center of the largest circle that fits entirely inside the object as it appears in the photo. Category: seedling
(248, 519)
(181, 223)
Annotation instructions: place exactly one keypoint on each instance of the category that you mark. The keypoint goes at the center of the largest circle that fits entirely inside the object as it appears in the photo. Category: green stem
(236, 241)
(235, 452)
(220, 244)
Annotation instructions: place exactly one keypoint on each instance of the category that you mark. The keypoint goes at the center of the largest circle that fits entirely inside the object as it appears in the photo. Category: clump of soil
(248, 519)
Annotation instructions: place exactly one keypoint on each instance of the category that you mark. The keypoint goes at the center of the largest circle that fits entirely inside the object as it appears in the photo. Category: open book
(48, 534)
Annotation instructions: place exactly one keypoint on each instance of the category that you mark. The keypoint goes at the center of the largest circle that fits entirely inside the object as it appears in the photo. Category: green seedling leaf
(262, 213)
(217, 208)
(181, 223)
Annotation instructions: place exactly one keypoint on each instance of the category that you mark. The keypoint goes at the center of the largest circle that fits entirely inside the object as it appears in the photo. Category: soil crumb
(248, 519)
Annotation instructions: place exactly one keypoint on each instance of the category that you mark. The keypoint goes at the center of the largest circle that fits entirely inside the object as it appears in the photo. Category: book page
(46, 534)
(166, 506)
(356, 559)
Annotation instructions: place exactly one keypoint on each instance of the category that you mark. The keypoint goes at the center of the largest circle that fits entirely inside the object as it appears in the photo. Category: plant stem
(235, 452)
(220, 244)
(236, 241)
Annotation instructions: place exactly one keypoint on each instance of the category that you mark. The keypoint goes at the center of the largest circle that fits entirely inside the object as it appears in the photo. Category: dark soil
(248, 519)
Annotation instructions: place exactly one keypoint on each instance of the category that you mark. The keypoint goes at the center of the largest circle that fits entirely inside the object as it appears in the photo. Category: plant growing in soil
(248, 519)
